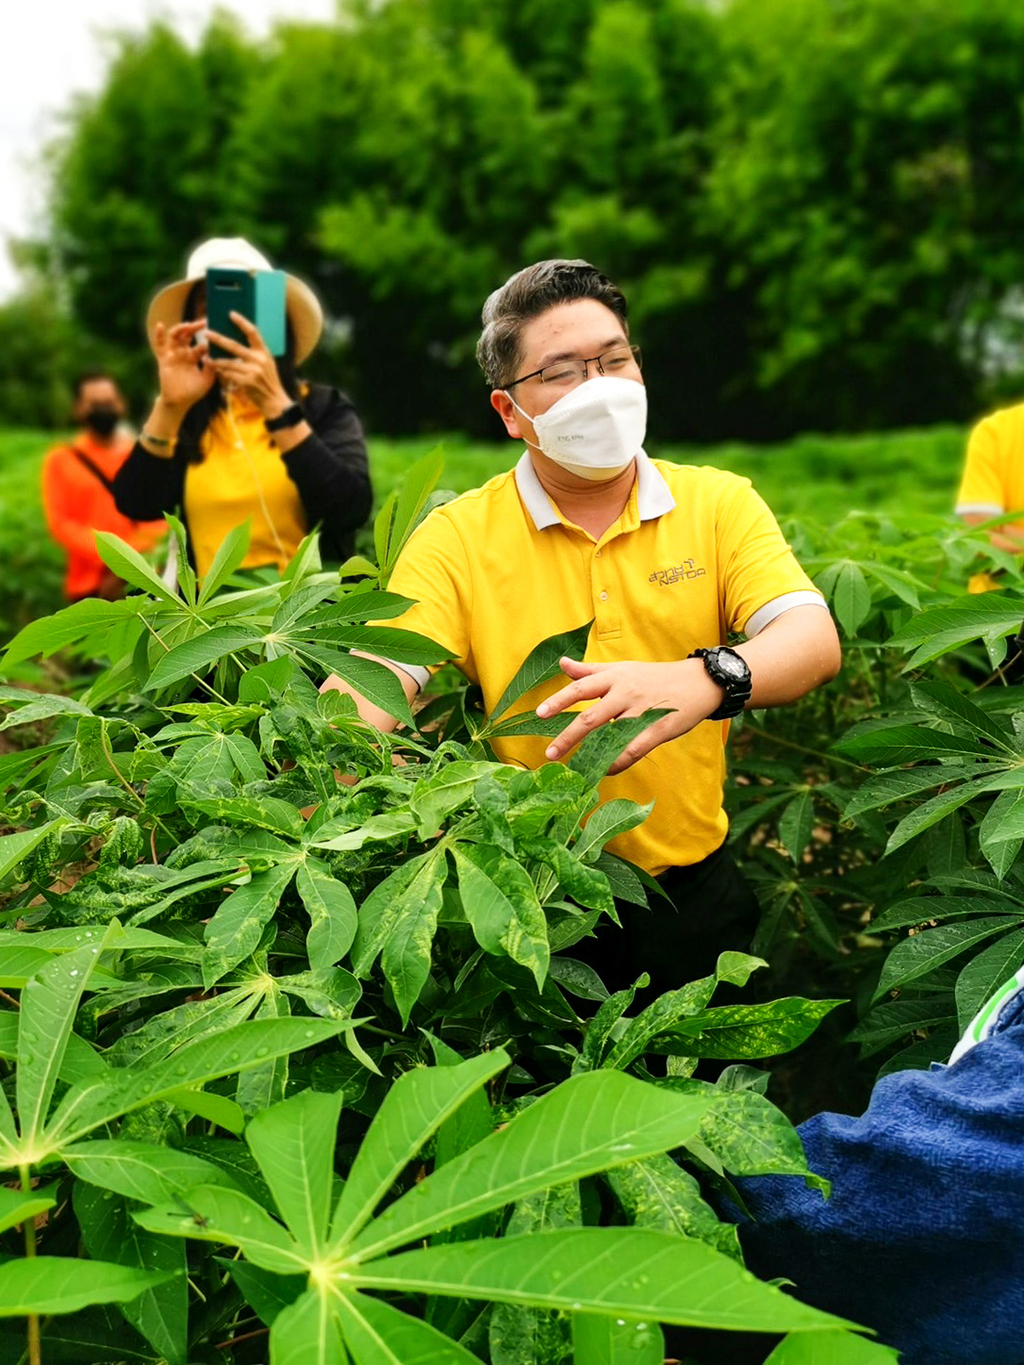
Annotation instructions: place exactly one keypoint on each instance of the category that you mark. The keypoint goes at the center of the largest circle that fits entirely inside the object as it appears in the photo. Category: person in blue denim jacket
(921, 1237)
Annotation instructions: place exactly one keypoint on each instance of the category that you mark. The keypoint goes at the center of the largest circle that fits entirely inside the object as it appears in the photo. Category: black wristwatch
(729, 670)
(291, 417)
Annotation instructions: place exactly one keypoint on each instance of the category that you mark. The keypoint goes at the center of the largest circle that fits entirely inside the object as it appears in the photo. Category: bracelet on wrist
(165, 443)
(291, 417)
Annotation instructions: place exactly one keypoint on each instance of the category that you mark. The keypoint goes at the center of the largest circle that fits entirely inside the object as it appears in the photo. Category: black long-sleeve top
(329, 469)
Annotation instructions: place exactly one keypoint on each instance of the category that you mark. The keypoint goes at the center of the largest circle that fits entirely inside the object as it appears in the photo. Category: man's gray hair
(526, 295)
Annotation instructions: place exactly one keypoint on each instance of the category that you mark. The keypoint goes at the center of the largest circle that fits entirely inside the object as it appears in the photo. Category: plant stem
(248, 1336)
(109, 755)
(811, 753)
(381, 1032)
(35, 1348)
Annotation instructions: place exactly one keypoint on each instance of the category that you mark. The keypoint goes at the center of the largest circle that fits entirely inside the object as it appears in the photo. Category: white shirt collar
(653, 496)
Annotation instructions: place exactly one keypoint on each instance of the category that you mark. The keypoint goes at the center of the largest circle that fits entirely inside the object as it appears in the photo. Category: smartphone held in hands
(258, 295)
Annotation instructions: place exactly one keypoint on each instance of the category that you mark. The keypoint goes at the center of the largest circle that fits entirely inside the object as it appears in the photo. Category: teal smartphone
(258, 295)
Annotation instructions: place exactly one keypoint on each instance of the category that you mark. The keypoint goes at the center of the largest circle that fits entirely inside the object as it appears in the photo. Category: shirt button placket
(608, 624)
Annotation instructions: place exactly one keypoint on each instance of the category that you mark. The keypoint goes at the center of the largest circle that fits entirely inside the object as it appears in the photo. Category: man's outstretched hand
(789, 657)
(628, 689)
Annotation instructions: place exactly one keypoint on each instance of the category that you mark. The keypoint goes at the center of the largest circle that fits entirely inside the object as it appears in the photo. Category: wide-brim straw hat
(303, 307)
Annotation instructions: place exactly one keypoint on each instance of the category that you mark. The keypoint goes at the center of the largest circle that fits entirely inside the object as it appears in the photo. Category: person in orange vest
(77, 497)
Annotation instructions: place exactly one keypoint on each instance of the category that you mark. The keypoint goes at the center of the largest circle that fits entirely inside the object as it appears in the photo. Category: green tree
(43, 350)
(140, 177)
(861, 166)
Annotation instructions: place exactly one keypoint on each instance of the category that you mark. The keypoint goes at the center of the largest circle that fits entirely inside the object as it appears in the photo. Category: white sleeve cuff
(778, 605)
(982, 509)
(419, 674)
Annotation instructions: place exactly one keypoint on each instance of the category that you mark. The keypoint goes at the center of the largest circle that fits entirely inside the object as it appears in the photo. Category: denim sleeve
(921, 1238)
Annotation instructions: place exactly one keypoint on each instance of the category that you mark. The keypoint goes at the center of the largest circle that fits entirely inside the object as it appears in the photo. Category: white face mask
(594, 430)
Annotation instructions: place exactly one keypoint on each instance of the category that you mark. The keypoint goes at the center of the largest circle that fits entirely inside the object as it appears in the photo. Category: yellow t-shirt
(242, 476)
(993, 478)
(695, 555)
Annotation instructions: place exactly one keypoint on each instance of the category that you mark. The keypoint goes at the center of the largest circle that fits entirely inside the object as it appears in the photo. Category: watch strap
(291, 417)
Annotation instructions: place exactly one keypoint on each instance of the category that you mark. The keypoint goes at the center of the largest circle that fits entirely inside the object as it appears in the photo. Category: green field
(818, 476)
(821, 477)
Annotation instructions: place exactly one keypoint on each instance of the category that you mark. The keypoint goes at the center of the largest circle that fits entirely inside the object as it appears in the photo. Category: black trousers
(710, 908)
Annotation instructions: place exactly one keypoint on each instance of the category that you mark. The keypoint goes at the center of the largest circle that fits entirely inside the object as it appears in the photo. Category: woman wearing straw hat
(241, 437)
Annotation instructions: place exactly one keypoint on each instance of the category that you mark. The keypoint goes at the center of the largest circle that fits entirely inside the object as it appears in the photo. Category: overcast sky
(55, 48)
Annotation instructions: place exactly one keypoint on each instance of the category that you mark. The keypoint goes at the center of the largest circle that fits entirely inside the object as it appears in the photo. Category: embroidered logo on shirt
(678, 573)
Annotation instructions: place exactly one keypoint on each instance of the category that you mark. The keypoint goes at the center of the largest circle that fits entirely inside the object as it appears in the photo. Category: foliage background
(869, 472)
(812, 205)
(812, 208)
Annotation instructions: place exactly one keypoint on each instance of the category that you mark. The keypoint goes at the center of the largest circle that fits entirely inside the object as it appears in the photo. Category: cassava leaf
(616, 1341)
(378, 1334)
(588, 1123)
(197, 655)
(398, 920)
(128, 564)
(235, 929)
(920, 954)
(61, 1284)
(230, 553)
(501, 904)
(414, 1108)
(645, 1275)
(541, 664)
(831, 1348)
(293, 1143)
(596, 753)
(146, 1171)
(745, 1031)
(332, 913)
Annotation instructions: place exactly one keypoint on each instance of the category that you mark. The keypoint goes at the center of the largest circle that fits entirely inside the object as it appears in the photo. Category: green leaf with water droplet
(146, 1171)
(160, 1313)
(214, 1213)
(90, 1104)
(378, 1334)
(519, 1334)
(831, 1348)
(616, 1341)
(413, 1109)
(625, 1272)
(17, 1207)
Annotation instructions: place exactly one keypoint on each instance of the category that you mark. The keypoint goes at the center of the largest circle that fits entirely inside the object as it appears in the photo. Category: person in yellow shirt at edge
(667, 560)
(993, 483)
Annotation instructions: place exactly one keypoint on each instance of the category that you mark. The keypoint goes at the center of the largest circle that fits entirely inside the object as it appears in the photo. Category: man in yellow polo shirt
(666, 560)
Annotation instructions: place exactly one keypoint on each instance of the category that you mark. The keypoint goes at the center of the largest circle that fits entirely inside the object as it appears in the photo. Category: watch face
(731, 665)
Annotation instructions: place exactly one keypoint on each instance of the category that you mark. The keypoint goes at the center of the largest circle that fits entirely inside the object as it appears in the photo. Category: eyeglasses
(566, 374)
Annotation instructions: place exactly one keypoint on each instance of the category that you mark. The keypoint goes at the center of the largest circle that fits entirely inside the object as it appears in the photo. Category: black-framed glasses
(566, 374)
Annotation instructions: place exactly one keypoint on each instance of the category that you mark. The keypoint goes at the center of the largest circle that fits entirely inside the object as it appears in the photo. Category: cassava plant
(197, 914)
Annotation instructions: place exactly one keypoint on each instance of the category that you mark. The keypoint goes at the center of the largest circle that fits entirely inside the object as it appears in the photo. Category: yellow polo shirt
(242, 475)
(993, 478)
(694, 556)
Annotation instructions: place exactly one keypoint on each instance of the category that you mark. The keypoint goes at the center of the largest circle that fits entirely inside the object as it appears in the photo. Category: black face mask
(101, 421)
